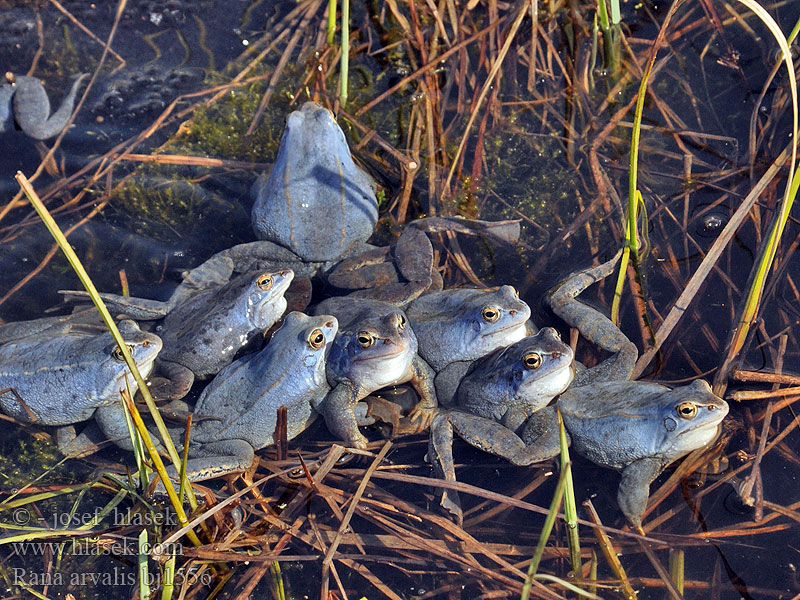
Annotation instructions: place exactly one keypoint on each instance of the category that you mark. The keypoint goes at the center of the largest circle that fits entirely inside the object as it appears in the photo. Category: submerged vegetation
(488, 110)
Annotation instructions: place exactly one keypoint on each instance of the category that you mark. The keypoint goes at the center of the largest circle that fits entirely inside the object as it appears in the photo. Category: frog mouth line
(400, 350)
(699, 426)
(506, 328)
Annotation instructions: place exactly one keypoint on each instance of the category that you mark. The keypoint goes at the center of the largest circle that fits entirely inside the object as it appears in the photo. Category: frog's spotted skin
(314, 179)
(24, 100)
(632, 426)
(68, 377)
(240, 405)
(375, 348)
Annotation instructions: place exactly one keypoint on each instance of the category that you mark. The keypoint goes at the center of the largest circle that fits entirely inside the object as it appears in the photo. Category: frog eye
(264, 282)
(514, 291)
(365, 339)
(117, 353)
(532, 360)
(401, 322)
(687, 410)
(490, 314)
(316, 339)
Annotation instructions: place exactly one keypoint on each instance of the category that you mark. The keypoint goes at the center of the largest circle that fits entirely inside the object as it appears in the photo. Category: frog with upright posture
(374, 348)
(633, 426)
(70, 377)
(316, 210)
(241, 403)
(24, 100)
(316, 206)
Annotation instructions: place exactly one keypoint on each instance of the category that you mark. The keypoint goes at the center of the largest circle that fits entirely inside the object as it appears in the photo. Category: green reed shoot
(676, 572)
(276, 581)
(168, 587)
(631, 247)
(758, 279)
(611, 34)
(331, 21)
(549, 521)
(144, 571)
(75, 262)
(344, 65)
(570, 509)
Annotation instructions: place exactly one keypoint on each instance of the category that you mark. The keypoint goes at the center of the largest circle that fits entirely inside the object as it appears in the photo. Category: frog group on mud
(481, 369)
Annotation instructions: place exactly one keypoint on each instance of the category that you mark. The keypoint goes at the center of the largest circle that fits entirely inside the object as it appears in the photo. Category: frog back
(316, 201)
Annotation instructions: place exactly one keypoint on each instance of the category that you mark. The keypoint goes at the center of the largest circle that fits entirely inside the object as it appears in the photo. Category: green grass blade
(570, 509)
(544, 535)
(753, 300)
(168, 588)
(144, 571)
(569, 586)
(344, 65)
(75, 262)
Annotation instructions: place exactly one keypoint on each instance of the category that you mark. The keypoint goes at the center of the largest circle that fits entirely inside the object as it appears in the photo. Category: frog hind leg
(214, 459)
(593, 325)
(176, 382)
(139, 309)
(32, 108)
(634, 489)
(75, 445)
(422, 380)
(339, 410)
(494, 438)
(440, 454)
(112, 422)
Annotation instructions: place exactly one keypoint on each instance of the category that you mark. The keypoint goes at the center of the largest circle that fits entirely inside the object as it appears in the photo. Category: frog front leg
(112, 421)
(74, 445)
(634, 489)
(339, 410)
(422, 380)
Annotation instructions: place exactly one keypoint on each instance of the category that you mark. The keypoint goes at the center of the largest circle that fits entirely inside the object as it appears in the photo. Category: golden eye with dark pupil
(265, 282)
(316, 339)
(490, 314)
(402, 324)
(532, 360)
(687, 410)
(365, 339)
(117, 353)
